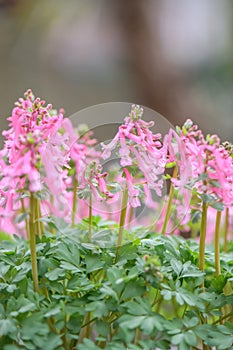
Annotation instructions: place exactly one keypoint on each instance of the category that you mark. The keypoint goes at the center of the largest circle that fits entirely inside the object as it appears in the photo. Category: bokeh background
(173, 56)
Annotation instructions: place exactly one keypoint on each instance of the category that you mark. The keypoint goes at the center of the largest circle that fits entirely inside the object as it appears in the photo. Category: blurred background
(173, 56)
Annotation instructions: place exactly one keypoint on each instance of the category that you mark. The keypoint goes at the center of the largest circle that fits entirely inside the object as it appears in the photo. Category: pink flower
(28, 144)
(124, 152)
(31, 125)
(140, 148)
(94, 179)
(215, 163)
(107, 149)
(133, 192)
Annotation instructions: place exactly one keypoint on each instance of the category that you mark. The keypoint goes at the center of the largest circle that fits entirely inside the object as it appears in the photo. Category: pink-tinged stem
(217, 243)
(33, 231)
(169, 204)
(74, 207)
(90, 219)
(226, 228)
(122, 219)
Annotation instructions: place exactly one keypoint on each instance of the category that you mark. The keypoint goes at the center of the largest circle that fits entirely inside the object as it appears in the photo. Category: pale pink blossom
(133, 191)
(139, 147)
(212, 165)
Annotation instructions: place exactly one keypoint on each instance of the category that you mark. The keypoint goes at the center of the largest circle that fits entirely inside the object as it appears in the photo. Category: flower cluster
(31, 125)
(139, 148)
(94, 180)
(41, 148)
(211, 162)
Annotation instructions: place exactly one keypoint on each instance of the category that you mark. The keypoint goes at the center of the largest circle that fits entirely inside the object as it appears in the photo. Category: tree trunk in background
(159, 86)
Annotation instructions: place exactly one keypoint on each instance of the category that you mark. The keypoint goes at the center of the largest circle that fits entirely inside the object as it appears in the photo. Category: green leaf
(93, 263)
(190, 338)
(53, 312)
(3, 269)
(21, 218)
(127, 252)
(28, 307)
(133, 347)
(70, 267)
(7, 326)
(20, 275)
(221, 341)
(191, 322)
(138, 308)
(133, 289)
(34, 325)
(69, 252)
(11, 347)
(153, 322)
(196, 216)
(218, 206)
(99, 308)
(167, 294)
(87, 345)
(177, 339)
(55, 274)
(10, 288)
(103, 328)
(208, 198)
(219, 283)
(52, 342)
(184, 346)
(130, 322)
(177, 266)
(107, 291)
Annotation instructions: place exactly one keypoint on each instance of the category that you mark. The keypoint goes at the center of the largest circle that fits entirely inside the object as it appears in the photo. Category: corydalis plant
(179, 163)
(229, 148)
(82, 153)
(32, 125)
(212, 166)
(92, 183)
(142, 153)
(139, 147)
(24, 174)
(212, 179)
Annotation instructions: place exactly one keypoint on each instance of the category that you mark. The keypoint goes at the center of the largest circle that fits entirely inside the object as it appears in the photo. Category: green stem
(63, 337)
(223, 318)
(131, 213)
(90, 219)
(33, 228)
(169, 204)
(217, 243)
(203, 237)
(159, 303)
(51, 325)
(74, 207)
(226, 227)
(86, 328)
(122, 219)
(138, 336)
(37, 217)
